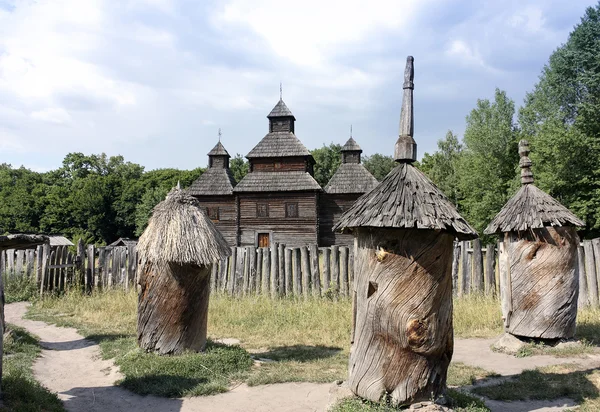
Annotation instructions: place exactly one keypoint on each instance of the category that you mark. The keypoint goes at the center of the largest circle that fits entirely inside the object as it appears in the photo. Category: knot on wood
(417, 332)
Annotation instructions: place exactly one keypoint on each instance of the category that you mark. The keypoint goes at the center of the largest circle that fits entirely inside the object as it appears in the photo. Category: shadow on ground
(299, 353)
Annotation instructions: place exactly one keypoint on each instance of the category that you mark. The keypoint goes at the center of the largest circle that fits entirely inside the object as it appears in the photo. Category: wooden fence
(276, 271)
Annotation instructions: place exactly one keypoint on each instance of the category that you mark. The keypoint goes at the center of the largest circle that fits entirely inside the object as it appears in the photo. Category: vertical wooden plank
(350, 267)
(590, 273)
(239, 271)
(232, 271)
(596, 247)
(477, 266)
(344, 270)
(124, 272)
(274, 270)
(214, 276)
(29, 257)
(259, 265)
(335, 269)
(80, 260)
(297, 272)
(223, 270)
(10, 263)
(38, 264)
(583, 299)
(64, 259)
(251, 252)
(19, 260)
(90, 273)
(132, 264)
(266, 272)
(464, 273)
(102, 279)
(44, 273)
(505, 283)
(315, 271)
(326, 268)
(455, 265)
(288, 272)
(53, 256)
(2, 268)
(281, 263)
(305, 271)
(490, 270)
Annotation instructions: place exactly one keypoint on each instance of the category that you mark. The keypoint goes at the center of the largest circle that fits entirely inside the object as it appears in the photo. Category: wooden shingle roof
(530, 207)
(214, 181)
(218, 150)
(351, 146)
(280, 110)
(406, 198)
(351, 178)
(279, 144)
(290, 181)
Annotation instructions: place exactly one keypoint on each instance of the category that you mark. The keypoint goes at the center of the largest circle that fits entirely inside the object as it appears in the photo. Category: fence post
(464, 273)
(596, 247)
(282, 275)
(297, 272)
(288, 272)
(455, 264)
(590, 272)
(326, 268)
(315, 272)
(490, 270)
(259, 265)
(305, 271)
(583, 290)
(246, 281)
(344, 270)
(232, 270)
(274, 270)
(38, 264)
(477, 266)
(266, 272)
(44, 273)
(252, 271)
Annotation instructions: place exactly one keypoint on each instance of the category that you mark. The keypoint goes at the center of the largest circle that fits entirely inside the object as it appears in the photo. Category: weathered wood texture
(403, 332)
(543, 282)
(173, 308)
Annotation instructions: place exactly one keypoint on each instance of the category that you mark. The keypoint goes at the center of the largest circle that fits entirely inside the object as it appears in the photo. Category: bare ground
(72, 367)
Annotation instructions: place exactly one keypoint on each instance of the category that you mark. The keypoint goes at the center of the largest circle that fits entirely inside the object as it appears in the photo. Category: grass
(20, 391)
(459, 401)
(580, 348)
(549, 383)
(19, 288)
(460, 374)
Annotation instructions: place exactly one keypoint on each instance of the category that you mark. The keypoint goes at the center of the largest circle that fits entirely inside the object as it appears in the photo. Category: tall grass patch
(477, 316)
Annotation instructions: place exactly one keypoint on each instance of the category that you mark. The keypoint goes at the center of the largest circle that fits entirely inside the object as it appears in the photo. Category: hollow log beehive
(539, 282)
(176, 253)
(404, 228)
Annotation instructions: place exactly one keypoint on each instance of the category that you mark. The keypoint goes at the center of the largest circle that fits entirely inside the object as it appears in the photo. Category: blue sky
(153, 80)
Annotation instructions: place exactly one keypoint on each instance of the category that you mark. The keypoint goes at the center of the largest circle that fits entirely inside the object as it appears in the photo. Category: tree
(239, 167)
(327, 161)
(379, 165)
(442, 166)
(561, 116)
(487, 168)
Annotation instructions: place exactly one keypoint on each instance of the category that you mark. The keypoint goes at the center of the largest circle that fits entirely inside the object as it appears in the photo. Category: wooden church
(279, 200)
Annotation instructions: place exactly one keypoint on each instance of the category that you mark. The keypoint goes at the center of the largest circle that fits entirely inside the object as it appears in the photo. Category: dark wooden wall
(227, 223)
(278, 164)
(298, 231)
(331, 208)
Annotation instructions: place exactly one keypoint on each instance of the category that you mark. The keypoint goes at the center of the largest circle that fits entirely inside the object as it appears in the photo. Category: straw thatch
(180, 232)
(407, 199)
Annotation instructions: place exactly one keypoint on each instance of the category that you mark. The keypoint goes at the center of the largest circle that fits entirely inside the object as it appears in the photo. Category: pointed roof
(218, 150)
(530, 207)
(281, 110)
(407, 199)
(292, 181)
(213, 182)
(279, 144)
(351, 146)
(351, 178)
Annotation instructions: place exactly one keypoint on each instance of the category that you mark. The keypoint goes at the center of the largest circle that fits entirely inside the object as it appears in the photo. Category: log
(335, 269)
(173, 308)
(455, 265)
(266, 271)
(464, 273)
(314, 270)
(274, 270)
(590, 273)
(305, 271)
(289, 273)
(403, 338)
(282, 275)
(583, 299)
(344, 270)
(326, 268)
(490, 270)
(297, 272)
(544, 280)
(478, 281)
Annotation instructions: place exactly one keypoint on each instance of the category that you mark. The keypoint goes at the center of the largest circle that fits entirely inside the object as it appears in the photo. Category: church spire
(405, 150)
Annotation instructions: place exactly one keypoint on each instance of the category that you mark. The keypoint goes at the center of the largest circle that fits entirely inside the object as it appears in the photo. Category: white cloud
(54, 115)
(530, 18)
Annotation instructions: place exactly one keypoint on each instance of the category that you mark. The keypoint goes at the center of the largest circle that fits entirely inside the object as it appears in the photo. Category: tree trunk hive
(539, 282)
(176, 253)
(404, 228)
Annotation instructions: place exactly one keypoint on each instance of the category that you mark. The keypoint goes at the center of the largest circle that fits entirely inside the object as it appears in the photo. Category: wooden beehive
(539, 283)
(404, 228)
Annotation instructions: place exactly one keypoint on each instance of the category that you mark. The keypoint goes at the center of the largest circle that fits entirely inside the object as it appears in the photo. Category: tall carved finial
(219, 135)
(406, 147)
(280, 91)
(350, 130)
(525, 163)
(178, 185)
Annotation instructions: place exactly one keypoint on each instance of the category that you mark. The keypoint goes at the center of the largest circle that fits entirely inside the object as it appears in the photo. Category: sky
(154, 80)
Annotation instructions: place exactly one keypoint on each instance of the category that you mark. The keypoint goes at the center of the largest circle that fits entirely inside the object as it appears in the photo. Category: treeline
(560, 118)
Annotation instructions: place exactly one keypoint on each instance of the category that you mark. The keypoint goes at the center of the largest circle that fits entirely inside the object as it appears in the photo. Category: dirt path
(72, 367)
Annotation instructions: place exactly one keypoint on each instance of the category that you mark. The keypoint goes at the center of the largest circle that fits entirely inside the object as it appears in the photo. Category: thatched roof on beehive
(180, 232)
(214, 181)
(406, 198)
(277, 182)
(530, 207)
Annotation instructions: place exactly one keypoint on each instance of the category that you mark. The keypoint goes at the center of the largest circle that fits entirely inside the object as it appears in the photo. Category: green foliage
(379, 165)
(143, 210)
(442, 165)
(239, 167)
(328, 159)
(561, 119)
(20, 391)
